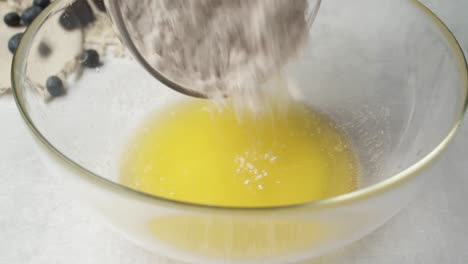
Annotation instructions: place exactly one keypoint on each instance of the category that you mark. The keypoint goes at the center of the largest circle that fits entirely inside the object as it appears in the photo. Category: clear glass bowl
(387, 71)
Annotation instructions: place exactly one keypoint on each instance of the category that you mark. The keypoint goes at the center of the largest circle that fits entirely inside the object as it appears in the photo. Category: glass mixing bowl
(388, 72)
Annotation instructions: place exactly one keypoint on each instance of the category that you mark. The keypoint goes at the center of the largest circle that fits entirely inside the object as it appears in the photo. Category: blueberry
(30, 13)
(69, 21)
(90, 58)
(14, 42)
(55, 86)
(44, 49)
(41, 3)
(12, 19)
(79, 14)
(100, 5)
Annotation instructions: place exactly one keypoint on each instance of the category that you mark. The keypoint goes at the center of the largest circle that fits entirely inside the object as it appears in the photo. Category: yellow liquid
(192, 152)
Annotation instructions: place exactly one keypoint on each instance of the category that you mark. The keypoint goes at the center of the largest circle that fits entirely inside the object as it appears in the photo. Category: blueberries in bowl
(90, 58)
(77, 15)
(55, 86)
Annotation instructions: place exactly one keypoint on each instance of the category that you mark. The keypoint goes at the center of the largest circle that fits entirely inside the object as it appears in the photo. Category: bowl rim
(378, 188)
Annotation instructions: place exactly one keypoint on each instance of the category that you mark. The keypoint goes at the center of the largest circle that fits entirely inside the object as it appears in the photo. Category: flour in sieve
(218, 47)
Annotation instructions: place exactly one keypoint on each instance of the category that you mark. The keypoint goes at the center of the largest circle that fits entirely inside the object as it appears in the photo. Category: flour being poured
(218, 47)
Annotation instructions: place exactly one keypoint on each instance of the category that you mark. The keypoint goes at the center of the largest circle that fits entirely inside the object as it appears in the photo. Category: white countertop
(41, 224)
